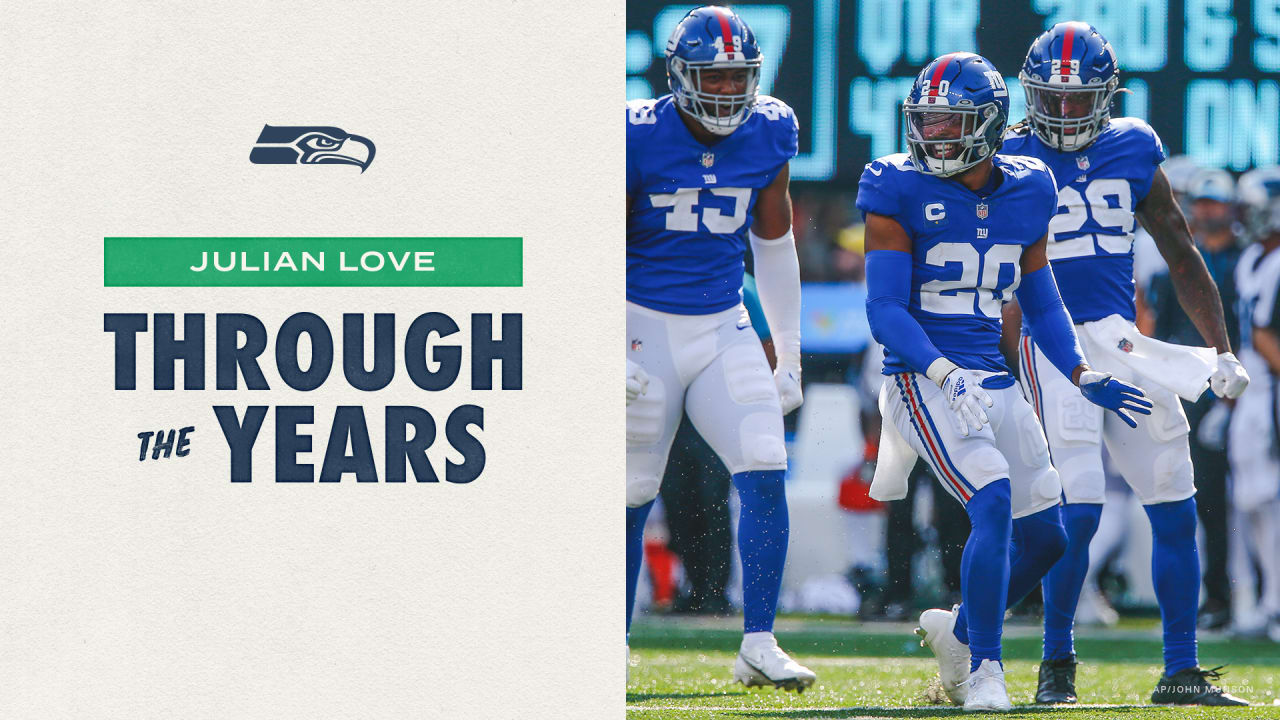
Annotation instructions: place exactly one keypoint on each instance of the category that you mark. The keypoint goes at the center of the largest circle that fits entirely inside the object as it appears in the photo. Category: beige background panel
(161, 590)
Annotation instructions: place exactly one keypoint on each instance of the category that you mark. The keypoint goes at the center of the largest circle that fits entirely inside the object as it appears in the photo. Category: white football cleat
(763, 663)
(987, 691)
(936, 632)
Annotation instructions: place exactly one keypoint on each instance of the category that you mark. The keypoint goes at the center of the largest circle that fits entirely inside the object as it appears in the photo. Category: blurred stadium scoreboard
(1204, 73)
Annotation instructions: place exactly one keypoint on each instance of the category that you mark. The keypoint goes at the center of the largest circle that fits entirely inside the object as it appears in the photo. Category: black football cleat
(1193, 686)
(1057, 681)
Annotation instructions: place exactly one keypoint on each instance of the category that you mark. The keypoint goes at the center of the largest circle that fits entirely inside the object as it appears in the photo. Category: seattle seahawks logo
(311, 145)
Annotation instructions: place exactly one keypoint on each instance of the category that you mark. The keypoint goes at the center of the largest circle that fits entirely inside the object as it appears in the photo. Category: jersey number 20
(969, 284)
(684, 216)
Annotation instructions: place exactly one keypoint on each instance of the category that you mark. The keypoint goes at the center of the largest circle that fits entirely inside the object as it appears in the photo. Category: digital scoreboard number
(1204, 73)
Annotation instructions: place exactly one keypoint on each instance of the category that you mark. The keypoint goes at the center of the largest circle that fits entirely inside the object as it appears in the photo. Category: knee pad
(1047, 486)
(642, 488)
(762, 445)
(983, 465)
(645, 415)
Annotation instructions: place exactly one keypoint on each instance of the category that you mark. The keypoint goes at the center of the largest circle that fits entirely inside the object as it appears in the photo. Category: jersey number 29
(1096, 202)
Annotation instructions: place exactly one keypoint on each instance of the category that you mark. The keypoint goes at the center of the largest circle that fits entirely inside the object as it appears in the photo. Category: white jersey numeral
(683, 215)
(641, 112)
(681, 202)
(717, 222)
(774, 111)
(979, 279)
(1109, 202)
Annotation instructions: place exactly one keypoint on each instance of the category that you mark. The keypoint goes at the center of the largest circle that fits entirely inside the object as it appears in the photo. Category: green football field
(682, 668)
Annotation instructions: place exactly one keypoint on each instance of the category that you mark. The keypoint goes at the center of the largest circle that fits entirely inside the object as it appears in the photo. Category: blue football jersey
(1091, 237)
(691, 204)
(965, 249)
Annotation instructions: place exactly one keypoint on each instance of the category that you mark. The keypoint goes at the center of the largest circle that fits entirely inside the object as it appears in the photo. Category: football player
(707, 172)
(1108, 172)
(952, 232)
(1253, 441)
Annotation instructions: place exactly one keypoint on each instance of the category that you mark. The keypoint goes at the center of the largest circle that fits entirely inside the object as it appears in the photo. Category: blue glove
(1103, 390)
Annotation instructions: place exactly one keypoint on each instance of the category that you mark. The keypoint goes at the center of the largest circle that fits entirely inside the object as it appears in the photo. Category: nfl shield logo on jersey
(1082, 162)
(1125, 345)
(982, 211)
(636, 345)
(708, 159)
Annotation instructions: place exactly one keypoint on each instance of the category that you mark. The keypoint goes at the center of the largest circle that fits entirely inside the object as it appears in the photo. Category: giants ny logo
(311, 145)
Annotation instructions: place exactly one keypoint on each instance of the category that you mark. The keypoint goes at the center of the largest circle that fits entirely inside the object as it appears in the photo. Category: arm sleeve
(888, 291)
(1049, 321)
(778, 285)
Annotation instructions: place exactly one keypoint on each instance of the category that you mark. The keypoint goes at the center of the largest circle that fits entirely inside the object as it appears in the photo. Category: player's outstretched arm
(777, 273)
(1197, 293)
(1053, 332)
(892, 325)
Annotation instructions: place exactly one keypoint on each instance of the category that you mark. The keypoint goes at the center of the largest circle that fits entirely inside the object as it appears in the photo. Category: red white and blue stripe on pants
(936, 451)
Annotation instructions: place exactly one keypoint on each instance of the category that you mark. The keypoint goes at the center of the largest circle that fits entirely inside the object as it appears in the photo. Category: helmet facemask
(949, 139)
(719, 114)
(1067, 117)
(1262, 215)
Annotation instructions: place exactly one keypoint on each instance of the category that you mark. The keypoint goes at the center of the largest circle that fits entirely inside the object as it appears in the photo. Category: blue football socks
(984, 569)
(762, 544)
(635, 552)
(1038, 541)
(1175, 568)
(1064, 580)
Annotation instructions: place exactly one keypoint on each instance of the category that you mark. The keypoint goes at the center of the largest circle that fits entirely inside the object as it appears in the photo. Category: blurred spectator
(1255, 446)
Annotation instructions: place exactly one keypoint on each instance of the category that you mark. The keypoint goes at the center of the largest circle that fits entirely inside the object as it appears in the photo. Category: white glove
(637, 381)
(1230, 379)
(966, 398)
(787, 379)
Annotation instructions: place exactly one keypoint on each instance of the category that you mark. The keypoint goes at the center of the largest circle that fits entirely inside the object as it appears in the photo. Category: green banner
(313, 262)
